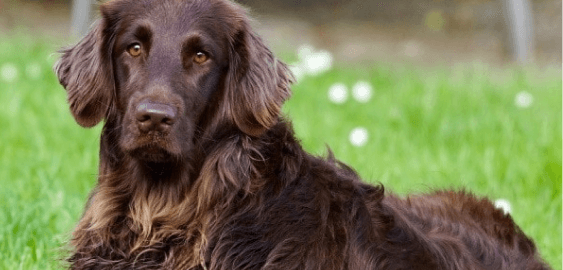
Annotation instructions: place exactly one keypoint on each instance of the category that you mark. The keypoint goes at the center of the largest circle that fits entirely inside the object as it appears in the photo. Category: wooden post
(518, 18)
(80, 22)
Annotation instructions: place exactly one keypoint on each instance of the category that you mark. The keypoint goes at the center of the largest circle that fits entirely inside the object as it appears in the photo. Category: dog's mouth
(153, 153)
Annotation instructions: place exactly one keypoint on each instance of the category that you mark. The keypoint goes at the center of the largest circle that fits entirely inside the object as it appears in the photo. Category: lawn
(462, 127)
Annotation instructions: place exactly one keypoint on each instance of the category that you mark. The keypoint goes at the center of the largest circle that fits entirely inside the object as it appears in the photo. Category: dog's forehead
(174, 19)
(177, 17)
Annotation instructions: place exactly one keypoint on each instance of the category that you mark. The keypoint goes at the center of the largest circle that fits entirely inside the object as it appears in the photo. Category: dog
(200, 170)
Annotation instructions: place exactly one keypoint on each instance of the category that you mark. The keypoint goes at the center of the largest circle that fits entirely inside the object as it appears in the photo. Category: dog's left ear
(257, 83)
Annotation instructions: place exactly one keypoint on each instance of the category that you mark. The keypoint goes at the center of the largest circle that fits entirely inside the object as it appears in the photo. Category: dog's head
(165, 72)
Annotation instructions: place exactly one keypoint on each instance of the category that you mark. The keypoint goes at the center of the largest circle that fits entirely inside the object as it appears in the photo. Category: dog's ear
(85, 71)
(257, 83)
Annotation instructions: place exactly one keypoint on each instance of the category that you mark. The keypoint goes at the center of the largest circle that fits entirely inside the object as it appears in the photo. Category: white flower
(338, 93)
(503, 205)
(317, 62)
(362, 91)
(311, 62)
(358, 136)
(523, 100)
(9, 72)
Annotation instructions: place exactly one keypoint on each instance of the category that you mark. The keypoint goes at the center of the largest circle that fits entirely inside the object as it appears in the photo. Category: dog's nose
(155, 116)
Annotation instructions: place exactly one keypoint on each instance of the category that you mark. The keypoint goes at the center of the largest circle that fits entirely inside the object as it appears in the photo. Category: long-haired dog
(198, 170)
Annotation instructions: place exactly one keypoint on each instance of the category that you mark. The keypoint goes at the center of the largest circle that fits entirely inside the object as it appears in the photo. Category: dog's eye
(134, 49)
(200, 57)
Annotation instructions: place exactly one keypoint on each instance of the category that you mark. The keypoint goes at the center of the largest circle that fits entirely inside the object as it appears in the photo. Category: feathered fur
(226, 185)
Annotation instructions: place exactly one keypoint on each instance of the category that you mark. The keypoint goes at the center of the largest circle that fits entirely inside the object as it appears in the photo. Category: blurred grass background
(428, 128)
(445, 111)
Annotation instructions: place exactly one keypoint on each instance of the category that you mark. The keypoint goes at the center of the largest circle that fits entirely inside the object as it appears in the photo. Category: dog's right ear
(85, 71)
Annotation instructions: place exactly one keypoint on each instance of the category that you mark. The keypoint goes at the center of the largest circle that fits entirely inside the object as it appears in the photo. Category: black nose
(155, 116)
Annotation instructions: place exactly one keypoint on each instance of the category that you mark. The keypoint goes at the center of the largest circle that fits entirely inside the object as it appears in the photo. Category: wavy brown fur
(222, 182)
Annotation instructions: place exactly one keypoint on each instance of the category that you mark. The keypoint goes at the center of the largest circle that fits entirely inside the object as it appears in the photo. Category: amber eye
(200, 57)
(134, 49)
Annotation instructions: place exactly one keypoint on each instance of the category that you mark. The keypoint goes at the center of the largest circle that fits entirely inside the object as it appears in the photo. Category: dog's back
(462, 231)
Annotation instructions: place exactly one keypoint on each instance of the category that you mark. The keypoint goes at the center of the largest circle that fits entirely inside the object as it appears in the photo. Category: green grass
(428, 128)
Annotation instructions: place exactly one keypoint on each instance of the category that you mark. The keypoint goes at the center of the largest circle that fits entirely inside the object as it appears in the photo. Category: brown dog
(199, 171)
